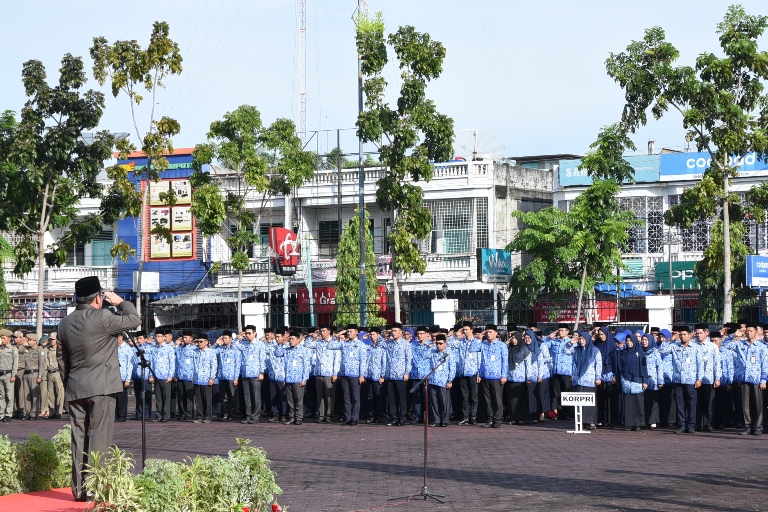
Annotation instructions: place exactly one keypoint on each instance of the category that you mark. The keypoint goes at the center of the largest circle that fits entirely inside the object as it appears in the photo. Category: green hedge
(35, 464)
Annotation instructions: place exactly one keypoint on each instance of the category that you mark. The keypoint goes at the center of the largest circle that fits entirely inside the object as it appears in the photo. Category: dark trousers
(350, 388)
(560, 384)
(93, 423)
(439, 404)
(279, 399)
(651, 406)
(294, 394)
(705, 397)
(723, 412)
(163, 399)
(252, 393)
(737, 394)
(419, 395)
(634, 409)
(174, 398)
(752, 403)
(121, 405)
(204, 401)
(492, 393)
(667, 407)
(468, 397)
(372, 401)
(140, 385)
(186, 397)
(588, 414)
(398, 405)
(310, 396)
(217, 399)
(604, 397)
(228, 392)
(266, 396)
(325, 397)
(685, 396)
(517, 400)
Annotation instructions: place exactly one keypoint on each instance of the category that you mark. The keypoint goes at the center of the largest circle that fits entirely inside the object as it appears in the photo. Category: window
(264, 237)
(695, 238)
(96, 253)
(328, 239)
(458, 226)
(647, 238)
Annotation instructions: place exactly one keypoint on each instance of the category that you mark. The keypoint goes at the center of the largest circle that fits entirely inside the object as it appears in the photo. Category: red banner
(285, 243)
(604, 311)
(325, 299)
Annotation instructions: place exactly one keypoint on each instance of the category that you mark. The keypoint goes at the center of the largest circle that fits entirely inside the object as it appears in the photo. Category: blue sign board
(494, 265)
(691, 166)
(757, 271)
(646, 170)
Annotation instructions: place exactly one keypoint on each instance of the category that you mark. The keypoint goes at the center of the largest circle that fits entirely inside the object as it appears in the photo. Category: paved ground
(323, 467)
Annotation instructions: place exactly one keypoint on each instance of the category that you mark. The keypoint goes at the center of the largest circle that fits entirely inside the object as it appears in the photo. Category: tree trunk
(581, 294)
(40, 281)
(728, 292)
(143, 228)
(239, 301)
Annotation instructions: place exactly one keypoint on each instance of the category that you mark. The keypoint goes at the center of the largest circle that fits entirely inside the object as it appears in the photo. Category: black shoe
(353, 423)
(464, 421)
(745, 432)
(443, 424)
(709, 428)
(681, 430)
(289, 422)
(297, 422)
(119, 420)
(401, 423)
(165, 421)
(488, 425)
(636, 429)
(433, 424)
(496, 425)
(691, 430)
(757, 432)
(472, 421)
(626, 429)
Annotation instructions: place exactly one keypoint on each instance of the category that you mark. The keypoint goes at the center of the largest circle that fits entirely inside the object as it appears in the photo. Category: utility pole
(669, 241)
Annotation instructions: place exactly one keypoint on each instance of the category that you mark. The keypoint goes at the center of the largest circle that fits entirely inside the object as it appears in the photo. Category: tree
(6, 256)
(267, 161)
(575, 250)
(129, 68)
(724, 111)
(414, 133)
(348, 276)
(47, 166)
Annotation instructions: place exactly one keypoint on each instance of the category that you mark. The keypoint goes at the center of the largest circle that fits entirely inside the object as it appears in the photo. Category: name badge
(493, 357)
(189, 361)
(706, 359)
(753, 360)
(294, 364)
(687, 359)
(250, 357)
(160, 359)
(228, 360)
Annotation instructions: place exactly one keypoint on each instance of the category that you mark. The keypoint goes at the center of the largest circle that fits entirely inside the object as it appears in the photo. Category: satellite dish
(477, 145)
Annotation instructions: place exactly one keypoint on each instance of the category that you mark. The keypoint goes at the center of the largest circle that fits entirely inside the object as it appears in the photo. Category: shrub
(162, 485)
(9, 483)
(110, 480)
(257, 481)
(37, 461)
(62, 443)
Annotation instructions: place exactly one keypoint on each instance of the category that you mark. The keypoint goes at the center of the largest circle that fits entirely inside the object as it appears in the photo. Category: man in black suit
(90, 370)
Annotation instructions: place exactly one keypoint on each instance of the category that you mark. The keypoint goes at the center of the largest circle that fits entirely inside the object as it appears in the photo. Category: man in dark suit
(90, 370)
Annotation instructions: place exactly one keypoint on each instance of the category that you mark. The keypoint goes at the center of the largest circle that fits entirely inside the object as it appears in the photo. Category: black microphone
(444, 356)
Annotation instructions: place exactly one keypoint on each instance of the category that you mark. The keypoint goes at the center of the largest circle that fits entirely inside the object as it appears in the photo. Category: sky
(530, 75)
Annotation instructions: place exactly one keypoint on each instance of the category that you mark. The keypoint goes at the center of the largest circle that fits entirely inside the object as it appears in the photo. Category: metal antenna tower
(303, 70)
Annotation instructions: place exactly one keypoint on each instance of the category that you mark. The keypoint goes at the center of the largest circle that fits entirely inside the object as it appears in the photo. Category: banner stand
(578, 400)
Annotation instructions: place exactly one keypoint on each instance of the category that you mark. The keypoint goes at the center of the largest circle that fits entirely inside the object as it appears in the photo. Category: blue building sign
(757, 271)
(646, 171)
(494, 265)
(691, 166)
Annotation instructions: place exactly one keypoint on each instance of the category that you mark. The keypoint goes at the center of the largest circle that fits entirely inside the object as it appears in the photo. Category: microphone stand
(424, 491)
(145, 365)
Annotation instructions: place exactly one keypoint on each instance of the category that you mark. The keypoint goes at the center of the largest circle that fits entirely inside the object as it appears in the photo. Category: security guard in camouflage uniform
(9, 362)
(34, 371)
(19, 386)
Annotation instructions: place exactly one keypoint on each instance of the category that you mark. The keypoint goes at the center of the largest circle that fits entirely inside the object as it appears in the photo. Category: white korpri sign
(577, 400)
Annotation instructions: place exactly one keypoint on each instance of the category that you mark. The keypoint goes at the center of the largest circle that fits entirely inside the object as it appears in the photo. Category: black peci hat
(87, 286)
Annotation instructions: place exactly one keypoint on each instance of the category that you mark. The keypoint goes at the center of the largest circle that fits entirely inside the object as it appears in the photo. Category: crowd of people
(687, 378)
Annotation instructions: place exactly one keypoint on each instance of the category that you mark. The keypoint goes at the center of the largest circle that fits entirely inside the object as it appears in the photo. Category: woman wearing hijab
(519, 377)
(538, 391)
(632, 366)
(667, 407)
(587, 367)
(606, 399)
(655, 381)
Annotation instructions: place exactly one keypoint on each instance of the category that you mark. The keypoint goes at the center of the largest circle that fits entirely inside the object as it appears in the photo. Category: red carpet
(55, 500)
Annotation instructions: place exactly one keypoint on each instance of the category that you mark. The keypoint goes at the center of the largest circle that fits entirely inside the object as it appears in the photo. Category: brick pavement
(537, 467)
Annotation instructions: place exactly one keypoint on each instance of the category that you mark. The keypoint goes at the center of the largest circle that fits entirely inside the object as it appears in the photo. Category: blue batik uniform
(125, 358)
(470, 354)
(136, 362)
(399, 359)
(353, 357)
(275, 365)
(750, 362)
(592, 372)
(420, 361)
(562, 362)
(523, 371)
(655, 369)
(710, 360)
(206, 366)
(252, 359)
(327, 361)
(726, 362)
(544, 363)
(185, 362)
(230, 360)
(295, 362)
(444, 373)
(494, 364)
(687, 364)
(377, 361)
(163, 361)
